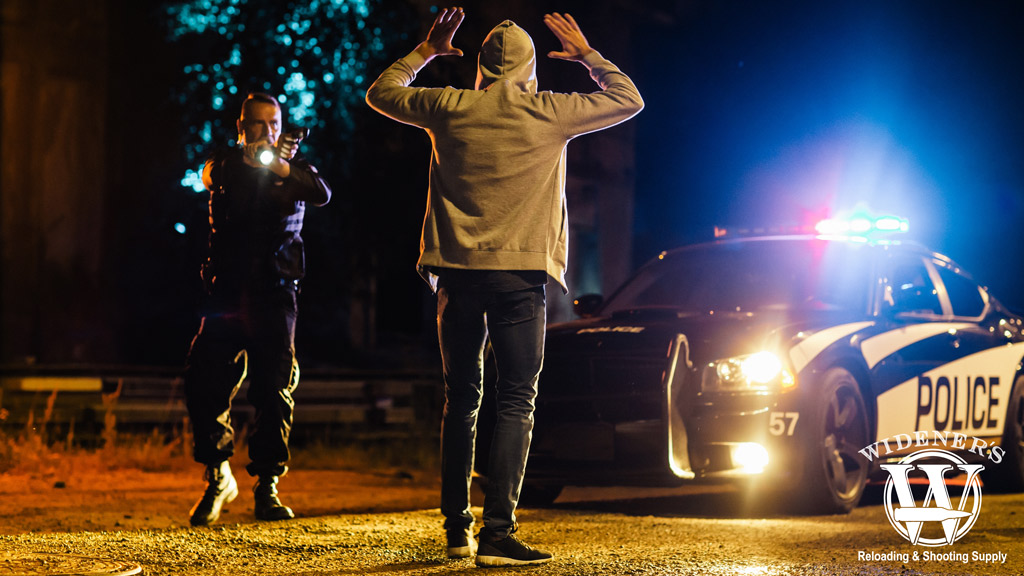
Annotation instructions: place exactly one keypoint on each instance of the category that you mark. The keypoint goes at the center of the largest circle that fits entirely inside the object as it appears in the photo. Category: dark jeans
(514, 322)
(254, 336)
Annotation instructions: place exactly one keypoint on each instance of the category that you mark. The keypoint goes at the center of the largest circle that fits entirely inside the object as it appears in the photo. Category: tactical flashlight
(267, 156)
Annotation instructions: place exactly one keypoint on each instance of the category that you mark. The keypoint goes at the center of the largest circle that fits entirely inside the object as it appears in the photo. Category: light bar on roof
(860, 226)
(891, 224)
(857, 227)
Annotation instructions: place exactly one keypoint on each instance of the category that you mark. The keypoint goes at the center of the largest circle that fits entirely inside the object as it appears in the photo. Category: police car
(779, 359)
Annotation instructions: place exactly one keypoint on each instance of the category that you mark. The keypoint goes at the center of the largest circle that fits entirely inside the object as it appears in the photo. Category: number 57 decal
(782, 423)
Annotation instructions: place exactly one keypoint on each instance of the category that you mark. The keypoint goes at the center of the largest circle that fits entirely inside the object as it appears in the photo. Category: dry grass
(422, 453)
(42, 447)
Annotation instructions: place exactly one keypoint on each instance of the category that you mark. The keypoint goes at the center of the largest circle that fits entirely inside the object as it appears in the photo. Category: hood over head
(507, 53)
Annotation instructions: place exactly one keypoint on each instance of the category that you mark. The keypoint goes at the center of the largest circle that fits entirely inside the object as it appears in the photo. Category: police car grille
(602, 388)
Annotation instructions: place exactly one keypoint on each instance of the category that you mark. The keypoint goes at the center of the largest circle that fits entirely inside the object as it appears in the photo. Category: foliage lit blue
(316, 57)
(194, 180)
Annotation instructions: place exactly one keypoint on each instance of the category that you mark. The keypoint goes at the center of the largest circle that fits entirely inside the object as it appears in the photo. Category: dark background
(757, 113)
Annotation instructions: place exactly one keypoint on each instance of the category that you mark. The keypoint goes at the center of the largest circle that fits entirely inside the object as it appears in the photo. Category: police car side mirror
(586, 306)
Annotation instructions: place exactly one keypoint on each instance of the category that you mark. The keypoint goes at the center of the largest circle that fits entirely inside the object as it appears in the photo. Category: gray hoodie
(507, 52)
(496, 193)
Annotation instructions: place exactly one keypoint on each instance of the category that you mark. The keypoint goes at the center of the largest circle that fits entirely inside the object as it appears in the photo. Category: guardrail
(328, 405)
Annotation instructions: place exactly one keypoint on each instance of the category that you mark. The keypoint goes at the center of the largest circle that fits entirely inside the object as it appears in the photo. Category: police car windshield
(752, 275)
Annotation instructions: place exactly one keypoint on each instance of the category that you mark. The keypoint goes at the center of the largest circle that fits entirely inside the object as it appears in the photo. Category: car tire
(539, 495)
(1008, 475)
(835, 473)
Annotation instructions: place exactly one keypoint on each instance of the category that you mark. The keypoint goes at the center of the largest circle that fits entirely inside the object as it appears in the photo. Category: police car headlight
(761, 371)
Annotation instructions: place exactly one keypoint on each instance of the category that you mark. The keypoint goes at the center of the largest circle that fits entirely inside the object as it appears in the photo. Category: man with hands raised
(494, 231)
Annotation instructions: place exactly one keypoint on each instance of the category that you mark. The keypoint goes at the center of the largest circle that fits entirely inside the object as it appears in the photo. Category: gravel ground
(585, 543)
(386, 523)
(411, 543)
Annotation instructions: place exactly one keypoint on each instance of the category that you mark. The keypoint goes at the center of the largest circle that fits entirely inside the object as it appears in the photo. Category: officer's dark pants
(514, 322)
(255, 337)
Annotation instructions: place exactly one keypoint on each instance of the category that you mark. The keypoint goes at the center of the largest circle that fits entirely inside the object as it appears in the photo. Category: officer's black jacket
(256, 222)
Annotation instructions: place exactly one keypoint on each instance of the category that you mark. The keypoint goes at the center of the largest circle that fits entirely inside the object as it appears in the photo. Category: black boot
(221, 488)
(268, 507)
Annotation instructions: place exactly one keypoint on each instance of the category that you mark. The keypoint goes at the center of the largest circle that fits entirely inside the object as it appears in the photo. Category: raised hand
(565, 28)
(439, 39)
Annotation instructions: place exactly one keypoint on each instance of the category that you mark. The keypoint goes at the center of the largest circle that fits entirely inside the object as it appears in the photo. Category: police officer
(258, 192)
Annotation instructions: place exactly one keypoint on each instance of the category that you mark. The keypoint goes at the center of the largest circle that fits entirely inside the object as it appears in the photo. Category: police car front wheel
(1008, 475)
(835, 474)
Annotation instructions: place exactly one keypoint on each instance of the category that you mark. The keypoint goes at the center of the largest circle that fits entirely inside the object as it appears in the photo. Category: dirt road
(387, 523)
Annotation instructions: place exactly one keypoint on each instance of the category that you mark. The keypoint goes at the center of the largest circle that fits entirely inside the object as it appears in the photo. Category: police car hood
(709, 336)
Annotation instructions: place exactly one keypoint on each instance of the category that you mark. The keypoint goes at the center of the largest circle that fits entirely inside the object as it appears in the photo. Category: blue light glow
(179, 228)
(296, 82)
(193, 180)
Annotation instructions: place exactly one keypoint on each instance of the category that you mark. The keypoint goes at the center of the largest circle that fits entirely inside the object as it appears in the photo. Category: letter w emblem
(937, 506)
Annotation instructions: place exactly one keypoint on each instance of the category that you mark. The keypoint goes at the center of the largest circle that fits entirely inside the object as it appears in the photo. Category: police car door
(914, 339)
(936, 367)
